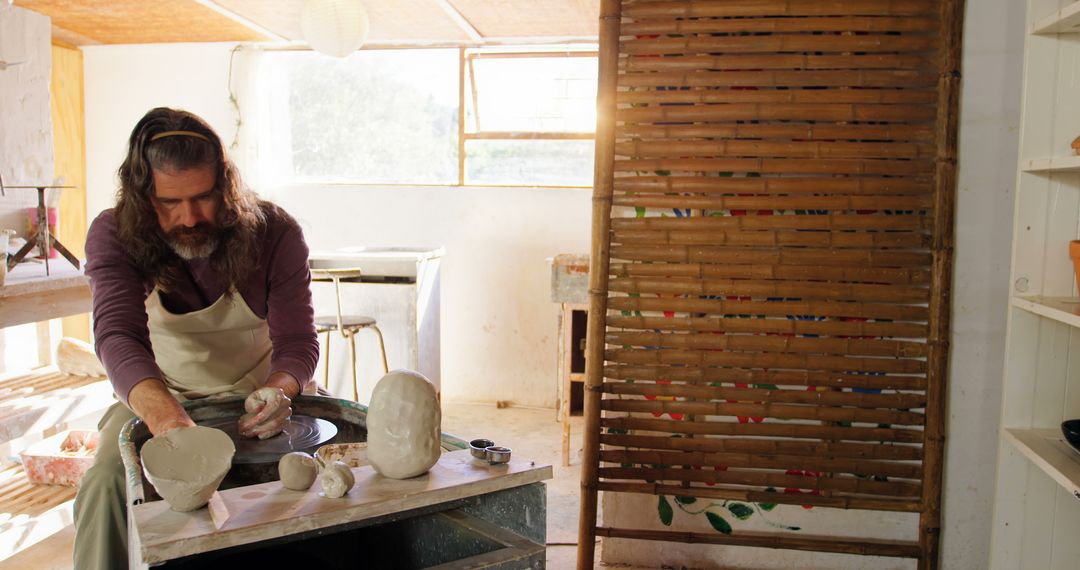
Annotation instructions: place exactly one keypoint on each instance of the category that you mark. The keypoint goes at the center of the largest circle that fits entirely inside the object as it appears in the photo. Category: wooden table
(269, 513)
(30, 296)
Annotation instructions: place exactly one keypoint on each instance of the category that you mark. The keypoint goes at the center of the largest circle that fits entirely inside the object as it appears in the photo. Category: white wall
(498, 324)
(988, 159)
(26, 145)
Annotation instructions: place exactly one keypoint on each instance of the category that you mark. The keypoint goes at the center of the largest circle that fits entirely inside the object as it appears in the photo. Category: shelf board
(1062, 309)
(1048, 449)
(1063, 21)
(1052, 164)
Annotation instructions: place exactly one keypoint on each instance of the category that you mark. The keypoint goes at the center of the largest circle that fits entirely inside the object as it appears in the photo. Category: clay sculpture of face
(187, 464)
(404, 423)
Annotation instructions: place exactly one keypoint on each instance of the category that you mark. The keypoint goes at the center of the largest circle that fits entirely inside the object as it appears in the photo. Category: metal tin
(497, 454)
(478, 448)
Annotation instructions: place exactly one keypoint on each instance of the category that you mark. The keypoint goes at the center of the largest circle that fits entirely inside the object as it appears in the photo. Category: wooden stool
(349, 325)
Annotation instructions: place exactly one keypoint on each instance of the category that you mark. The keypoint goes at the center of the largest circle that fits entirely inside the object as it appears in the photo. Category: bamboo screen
(772, 250)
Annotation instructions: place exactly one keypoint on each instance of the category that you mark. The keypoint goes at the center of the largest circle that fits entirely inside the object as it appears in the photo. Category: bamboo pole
(765, 447)
(778, 43)
(773, 61)
(607, 77)
(890, 132)
(732, 461)
(870, 186)
(774, 255)
(814, 378)
(952, 17)
(863, 240)
(877, 275)
(880, 97)
(900, 489)
(650, 111)
(754, 496)
(860, 546)
(769, 288)
(829, 221)
(710, 340)
(787, 430)
(879, 24)
(673, 356)
(743, 8)
(859, 310)
(869, 78)
(781, 166)
(660, 149)
(707, 393)
(767, 410)
(770, 203)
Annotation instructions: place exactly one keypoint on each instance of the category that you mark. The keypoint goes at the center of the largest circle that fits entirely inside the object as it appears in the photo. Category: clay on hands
(297, 470)
(268, 410)
(336, 480)
(187, 464)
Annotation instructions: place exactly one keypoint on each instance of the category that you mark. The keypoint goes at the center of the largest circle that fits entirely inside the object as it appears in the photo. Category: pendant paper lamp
(334, 27)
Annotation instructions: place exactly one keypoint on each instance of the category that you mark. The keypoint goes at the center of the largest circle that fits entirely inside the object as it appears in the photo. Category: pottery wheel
(302, 433)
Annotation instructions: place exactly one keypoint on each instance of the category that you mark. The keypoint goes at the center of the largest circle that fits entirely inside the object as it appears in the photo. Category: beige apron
(223, 349)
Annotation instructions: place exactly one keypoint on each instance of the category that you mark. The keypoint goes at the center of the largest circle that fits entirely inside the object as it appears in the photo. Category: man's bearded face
(187, 203)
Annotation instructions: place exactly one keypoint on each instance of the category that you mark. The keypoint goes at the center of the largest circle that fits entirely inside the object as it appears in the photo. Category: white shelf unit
(1064, 20)
(1052, 164)
(1036, 515)
(1048, 450)
(1061, 309)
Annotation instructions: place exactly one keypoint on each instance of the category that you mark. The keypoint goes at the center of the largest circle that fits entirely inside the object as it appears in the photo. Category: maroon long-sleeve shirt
(277, 290)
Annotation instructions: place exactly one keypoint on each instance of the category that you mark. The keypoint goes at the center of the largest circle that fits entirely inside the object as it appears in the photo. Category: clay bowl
(1071, 429)
(186, 465)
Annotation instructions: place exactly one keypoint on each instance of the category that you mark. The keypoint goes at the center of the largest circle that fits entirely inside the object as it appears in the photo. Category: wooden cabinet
(1037, 500)
(569, 288)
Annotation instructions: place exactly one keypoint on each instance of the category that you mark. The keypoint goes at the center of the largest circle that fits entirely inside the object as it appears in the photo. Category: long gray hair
(240, 220)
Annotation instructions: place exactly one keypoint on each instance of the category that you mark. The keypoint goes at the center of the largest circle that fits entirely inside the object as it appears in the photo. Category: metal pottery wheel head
(302, 433)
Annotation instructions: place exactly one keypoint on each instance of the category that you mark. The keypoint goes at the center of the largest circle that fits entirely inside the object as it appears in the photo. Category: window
(531, 118)
(392, 117)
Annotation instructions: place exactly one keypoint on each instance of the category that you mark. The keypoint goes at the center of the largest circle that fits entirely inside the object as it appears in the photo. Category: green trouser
(101, 504)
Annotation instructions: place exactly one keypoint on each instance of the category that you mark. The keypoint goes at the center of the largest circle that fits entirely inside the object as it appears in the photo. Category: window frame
(467, 56)
(467, 82)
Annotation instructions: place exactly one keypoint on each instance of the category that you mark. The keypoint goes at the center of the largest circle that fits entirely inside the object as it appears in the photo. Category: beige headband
(179, 134)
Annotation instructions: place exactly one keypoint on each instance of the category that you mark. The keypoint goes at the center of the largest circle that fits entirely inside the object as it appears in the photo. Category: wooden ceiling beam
(460, 20)
(240, 19)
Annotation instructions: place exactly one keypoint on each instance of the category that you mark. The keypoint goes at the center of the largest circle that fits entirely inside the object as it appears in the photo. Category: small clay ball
(337, 479)
(297, 470)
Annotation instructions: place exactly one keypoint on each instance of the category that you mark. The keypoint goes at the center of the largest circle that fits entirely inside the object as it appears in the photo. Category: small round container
(478, 448)
(496, 454)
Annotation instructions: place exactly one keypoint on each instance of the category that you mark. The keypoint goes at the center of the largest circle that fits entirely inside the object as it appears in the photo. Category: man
(199, 289)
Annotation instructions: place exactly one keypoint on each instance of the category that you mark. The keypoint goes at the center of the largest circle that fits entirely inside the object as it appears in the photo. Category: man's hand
(153, 402)
(268, 410)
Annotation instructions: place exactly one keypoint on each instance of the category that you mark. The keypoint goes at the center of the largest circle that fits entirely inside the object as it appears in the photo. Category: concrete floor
(532, 433)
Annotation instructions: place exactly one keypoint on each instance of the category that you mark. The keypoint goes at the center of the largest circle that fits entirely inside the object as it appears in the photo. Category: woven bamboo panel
(772, 258)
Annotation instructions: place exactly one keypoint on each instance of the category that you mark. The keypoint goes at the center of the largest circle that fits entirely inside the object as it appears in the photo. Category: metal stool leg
(326, 369)
(352, 356)
(382, 348)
